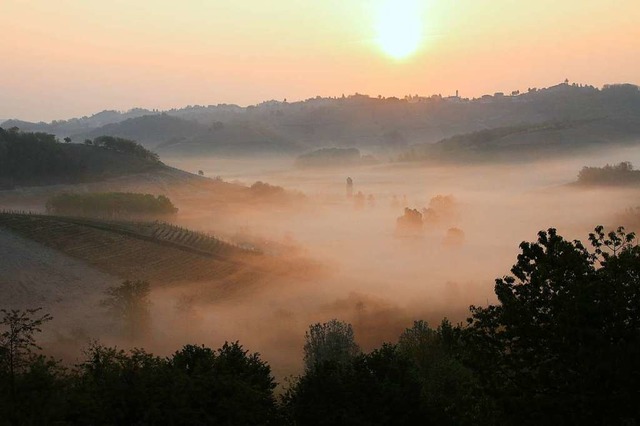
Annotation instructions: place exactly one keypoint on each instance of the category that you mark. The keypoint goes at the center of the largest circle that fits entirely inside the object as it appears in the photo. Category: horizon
(335, 97)
(111, 55)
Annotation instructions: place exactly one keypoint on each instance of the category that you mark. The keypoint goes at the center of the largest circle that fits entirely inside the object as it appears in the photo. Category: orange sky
(67, 58)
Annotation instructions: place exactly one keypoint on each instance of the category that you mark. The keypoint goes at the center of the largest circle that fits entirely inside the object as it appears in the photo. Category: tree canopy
(110, 204)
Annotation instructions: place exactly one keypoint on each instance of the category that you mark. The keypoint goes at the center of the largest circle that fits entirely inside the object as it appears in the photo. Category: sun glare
(399, 28)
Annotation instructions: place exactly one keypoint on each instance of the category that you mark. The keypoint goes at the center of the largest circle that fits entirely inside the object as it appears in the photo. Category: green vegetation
(26, 157)
(129, 303)
(194, 386)
(619, 174)
(560, 347)
(125, 146)
(110, 204)
(330, 342)
(39, 158)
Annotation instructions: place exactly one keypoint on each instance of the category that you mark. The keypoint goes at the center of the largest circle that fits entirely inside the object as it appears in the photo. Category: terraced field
(157, 252)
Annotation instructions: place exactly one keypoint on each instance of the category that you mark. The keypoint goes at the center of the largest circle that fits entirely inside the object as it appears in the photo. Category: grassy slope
(132, 251)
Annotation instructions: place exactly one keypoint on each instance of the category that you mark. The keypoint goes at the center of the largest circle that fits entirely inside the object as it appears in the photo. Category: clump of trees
(28, 158)
(125, 146)
(273, 193)
(329, 342)
(110, 204)
(410, 221)
(129, 304)
(442, 210)
(618, 174)
(196, 385)
(454, 237)
(561, 346)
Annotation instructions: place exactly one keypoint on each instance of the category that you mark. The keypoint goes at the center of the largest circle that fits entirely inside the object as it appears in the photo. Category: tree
(17, 343)
(562, 345)
(30, 384)
(332, 341)
(129, 303)
(67, 139)
(449, 390)
(379, 388)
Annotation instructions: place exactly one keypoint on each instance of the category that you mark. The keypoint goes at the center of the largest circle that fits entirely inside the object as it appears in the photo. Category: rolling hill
(31, 159)
(159, 253)
(385, 125)
(529, 142)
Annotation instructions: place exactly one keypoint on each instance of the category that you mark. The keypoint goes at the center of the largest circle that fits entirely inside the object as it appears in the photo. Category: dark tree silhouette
(129, 303)
(330, 341)
(562, 346)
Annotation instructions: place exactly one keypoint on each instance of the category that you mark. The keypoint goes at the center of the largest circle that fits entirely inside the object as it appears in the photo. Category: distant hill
(172, 135)
(31, 159)
(234, 138)
(148, 130)
(529, 142)
(65, 128)
(382, 125)
(333, 157)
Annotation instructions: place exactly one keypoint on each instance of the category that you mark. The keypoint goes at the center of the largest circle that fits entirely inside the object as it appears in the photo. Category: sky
(68, 58)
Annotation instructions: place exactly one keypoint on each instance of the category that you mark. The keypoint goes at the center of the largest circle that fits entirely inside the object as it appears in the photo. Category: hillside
(36, 275)
(380, 124)
(528, 142)
(161, 254)
(30, 159)
(172, 135)
(148, 130)
(245, 138)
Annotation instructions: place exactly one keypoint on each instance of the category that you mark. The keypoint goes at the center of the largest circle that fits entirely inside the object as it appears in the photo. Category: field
(159, 253)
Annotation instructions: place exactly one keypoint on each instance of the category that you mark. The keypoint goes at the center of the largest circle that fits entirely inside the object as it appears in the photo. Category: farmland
(153, 251)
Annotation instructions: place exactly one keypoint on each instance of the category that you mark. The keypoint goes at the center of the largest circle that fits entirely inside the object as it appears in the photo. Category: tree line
(34, 157)
(110, 204)
(617, 174)
(561, 346)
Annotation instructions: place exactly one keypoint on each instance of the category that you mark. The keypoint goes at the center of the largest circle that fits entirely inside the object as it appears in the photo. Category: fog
(369, 274)
(335, 259)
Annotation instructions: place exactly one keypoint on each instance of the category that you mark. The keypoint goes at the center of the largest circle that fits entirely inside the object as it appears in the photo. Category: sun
(399, 28)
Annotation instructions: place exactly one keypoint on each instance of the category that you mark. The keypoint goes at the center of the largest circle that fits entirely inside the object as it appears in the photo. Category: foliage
(39, 158)
(129, 303)
(332, 341)
(125, 146)
(619, 174)
(110, 204)
(562, 345)
(28, 382)
(378, 388)
(411, 220)
(27, 156)
(263, 189)
(17, 342)
(197, 385)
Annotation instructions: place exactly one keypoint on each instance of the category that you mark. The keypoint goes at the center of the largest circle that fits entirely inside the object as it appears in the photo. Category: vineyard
(154, 251)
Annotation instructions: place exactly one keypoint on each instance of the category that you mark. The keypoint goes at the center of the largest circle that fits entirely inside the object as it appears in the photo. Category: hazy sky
(64, 58)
